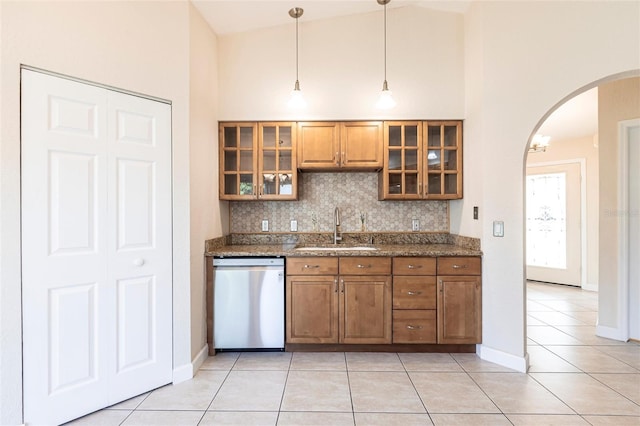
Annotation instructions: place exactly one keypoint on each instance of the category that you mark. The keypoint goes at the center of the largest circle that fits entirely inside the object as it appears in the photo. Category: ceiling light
(539, 143)
(296, 101)
(386, 100)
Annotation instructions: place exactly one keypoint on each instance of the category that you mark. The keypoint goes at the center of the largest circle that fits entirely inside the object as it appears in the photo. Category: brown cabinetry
(422, 160)
(353, 145)
(459, 300)
(258, 161)
(338, 300)
(414, 300)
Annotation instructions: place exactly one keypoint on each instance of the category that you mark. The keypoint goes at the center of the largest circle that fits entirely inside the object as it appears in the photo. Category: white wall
(532, 55)
(342, 67)
(573, 149)
(138, 46)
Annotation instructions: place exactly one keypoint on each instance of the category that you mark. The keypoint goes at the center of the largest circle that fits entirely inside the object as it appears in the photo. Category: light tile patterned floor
(575, 378)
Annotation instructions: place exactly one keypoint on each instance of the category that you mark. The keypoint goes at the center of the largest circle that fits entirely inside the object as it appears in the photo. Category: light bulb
(385, 101)
(297, 100)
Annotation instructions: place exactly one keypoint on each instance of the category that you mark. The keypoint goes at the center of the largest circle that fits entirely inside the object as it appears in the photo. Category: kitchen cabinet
(258, 161)
(351, 145)
(338, 300)
(459, 303)
(422, 160)
(278, 177)
(238, 161)
(414, 300)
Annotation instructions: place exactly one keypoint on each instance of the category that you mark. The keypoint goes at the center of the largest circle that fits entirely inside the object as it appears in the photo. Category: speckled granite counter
(297, 245)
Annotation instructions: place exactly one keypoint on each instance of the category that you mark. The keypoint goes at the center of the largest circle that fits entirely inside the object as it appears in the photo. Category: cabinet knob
(414, 327)
(138, 262)
(414, 293)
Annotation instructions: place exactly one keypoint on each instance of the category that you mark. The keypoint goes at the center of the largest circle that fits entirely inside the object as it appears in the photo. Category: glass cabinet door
(402, 164)
(277, 161)
(443, 159)
(238, 142)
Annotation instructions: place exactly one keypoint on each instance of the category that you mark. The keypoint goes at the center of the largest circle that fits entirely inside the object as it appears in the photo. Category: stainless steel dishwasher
(248, 305)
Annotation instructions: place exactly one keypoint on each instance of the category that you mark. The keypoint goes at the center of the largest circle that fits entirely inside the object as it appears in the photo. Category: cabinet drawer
(312, 266)
(365, 266)
(414, 326)
(414, 266)
(459, 266)
(414, 292)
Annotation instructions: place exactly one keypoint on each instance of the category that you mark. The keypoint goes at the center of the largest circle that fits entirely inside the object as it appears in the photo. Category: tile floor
(575, 378)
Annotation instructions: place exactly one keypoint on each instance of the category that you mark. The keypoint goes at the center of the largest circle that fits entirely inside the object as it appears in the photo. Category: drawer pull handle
(364, 266)
(414, 266)
(414, 293)
(414, 327)
(311, 266)
(460, 266)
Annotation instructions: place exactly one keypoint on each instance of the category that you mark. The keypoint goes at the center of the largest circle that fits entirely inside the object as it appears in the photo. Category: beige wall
(575, 149)
(140, 46)
(617, 101)
(342, 69)
(205, 219)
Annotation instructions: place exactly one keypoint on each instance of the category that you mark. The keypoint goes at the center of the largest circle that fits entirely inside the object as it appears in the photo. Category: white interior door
(96, 247)
(553, 205)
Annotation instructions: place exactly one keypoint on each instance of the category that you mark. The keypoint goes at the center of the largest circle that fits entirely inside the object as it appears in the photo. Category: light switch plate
(265, 225)
(498, 228)
(294, 225)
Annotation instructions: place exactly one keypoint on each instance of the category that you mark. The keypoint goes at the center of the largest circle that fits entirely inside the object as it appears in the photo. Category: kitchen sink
(337, 248)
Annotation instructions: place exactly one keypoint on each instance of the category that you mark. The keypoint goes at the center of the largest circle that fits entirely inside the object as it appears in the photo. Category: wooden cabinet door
(361, 145)
(442, 159)
(318, 145)
(459, 309)
(277, 170)
(401, 175)
(238, 162)
(365, 306)
(312, 309)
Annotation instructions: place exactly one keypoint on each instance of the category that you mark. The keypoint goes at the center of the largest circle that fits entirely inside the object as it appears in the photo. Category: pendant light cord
(296, 49)
(385, 42)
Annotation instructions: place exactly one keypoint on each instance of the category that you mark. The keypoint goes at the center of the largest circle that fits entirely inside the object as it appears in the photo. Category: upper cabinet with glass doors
(258, 161)
(238, 161)
(277, 161)
(422, 160)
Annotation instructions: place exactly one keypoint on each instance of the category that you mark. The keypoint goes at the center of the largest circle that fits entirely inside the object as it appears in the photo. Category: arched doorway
(620, 95)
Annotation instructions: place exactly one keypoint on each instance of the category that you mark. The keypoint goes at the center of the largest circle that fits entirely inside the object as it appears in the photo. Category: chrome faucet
(336, 225)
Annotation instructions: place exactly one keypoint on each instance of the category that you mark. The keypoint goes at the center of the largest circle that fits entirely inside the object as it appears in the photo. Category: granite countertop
(384, 244)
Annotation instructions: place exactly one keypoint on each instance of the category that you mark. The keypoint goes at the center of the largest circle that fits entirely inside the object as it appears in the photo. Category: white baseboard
(610, 333)
(187, 371)
(513, 362)
(590, 287)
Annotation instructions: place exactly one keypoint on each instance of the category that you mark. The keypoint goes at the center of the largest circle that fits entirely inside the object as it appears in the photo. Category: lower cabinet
(356, 300)
(459, 300)
(340, 308)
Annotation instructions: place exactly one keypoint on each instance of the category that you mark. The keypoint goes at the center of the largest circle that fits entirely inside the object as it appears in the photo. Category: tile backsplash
(356, 195)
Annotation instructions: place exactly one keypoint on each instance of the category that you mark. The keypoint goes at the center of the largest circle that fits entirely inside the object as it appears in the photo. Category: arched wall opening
(618, 101)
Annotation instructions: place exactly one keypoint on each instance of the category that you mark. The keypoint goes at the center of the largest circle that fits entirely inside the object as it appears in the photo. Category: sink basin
(338, 248)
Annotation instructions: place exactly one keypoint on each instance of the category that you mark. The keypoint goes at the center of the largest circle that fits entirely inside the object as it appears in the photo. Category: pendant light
(385, 101)
(296, 101)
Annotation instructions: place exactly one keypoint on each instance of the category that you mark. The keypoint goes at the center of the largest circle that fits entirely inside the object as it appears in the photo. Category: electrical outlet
(475, 212)
(294, 225)
(415, 224)
(265, 225)
(498, 228)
